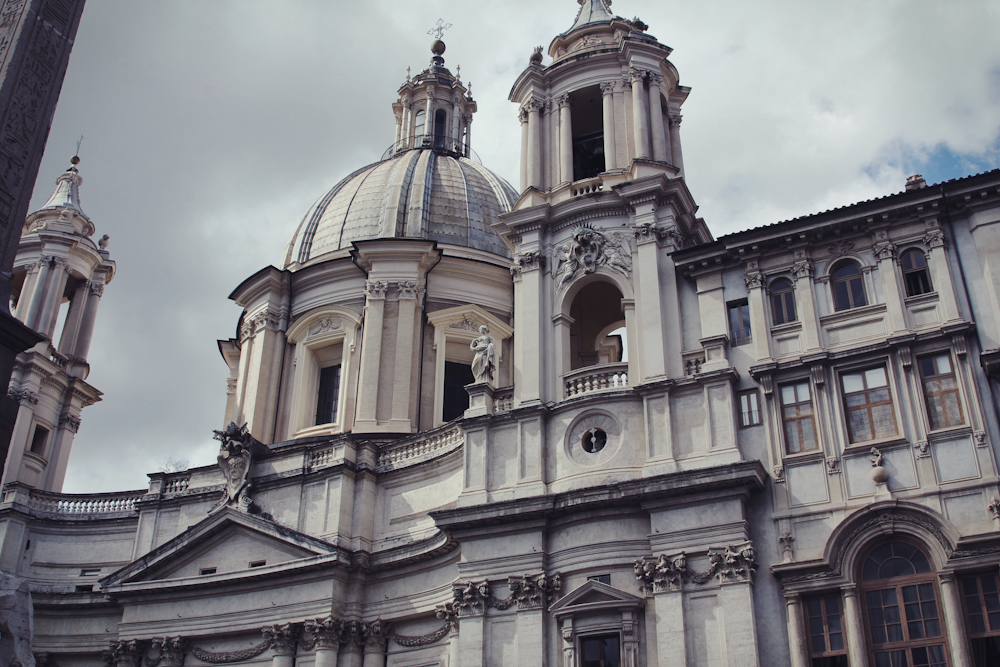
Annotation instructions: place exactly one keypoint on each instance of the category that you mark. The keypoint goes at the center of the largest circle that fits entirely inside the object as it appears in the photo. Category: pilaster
(885, 253)
(640, 119)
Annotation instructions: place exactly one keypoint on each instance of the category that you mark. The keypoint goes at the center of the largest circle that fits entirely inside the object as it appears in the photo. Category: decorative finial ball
(437, 48)
(880, 475)
(75, 160)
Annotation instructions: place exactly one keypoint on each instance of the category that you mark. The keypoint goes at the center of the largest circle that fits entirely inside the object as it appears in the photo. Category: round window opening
(594, 440)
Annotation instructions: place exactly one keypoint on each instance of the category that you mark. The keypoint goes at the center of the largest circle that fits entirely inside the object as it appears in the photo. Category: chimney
(915, 182)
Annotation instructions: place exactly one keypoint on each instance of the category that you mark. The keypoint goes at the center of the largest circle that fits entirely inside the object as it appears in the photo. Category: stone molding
(322, 633)
(733, 564)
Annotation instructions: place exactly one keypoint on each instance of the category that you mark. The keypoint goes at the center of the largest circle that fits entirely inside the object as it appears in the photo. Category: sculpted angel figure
(485, 360)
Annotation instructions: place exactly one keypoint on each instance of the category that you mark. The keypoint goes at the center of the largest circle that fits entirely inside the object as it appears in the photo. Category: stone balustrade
(588, 186)
(400, 454)
(84, 506)
(596, 378)
(176, 484)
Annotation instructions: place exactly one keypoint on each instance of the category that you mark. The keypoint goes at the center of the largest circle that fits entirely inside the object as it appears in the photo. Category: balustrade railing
(596, 378)
(435, 441)
(588, 186)
(438, 142)
(176, 484)
(84, 506)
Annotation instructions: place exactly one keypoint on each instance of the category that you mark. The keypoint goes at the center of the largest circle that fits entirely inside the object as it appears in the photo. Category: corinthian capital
(608, 87)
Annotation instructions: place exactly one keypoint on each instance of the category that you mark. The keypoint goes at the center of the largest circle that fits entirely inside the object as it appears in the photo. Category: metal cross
(438, 31)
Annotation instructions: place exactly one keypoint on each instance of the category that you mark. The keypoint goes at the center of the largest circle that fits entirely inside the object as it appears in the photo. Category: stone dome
(417, 194)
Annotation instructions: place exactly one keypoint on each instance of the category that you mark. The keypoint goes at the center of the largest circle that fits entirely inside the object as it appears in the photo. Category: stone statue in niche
(485, 360)
(589, 249)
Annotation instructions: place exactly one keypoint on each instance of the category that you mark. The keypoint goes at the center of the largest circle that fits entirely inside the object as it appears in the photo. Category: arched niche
(324, 338)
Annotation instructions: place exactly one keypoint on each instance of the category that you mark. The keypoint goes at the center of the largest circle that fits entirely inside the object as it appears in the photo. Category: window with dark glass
(749, 408)
(603, 651)
(39, 439)
(901, 610)
(456, 398)
(587, 128)
(440, 125)
(982, 614)
(826, 631)
(329, 395)
(848, 287)
(915, 273)
(782, 301)
(944, 408)
(419, 120)
(797, 416)
(739, 322)
(868, 404)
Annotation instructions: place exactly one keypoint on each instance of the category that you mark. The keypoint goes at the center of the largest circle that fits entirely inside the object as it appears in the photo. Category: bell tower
(58, 280)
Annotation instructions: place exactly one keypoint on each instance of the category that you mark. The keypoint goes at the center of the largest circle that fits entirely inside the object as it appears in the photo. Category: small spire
(592, 11)
(407, 74)
(67, 191)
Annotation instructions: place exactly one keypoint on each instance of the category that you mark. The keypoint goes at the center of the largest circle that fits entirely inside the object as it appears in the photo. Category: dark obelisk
(36, 37)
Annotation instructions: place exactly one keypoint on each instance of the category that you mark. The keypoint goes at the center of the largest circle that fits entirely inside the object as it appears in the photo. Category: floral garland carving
(224, 657)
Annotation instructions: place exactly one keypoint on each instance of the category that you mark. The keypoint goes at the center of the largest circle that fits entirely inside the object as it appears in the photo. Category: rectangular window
(944, 408)
(749, 408)
(206, 571)
(38, 440)
(782, 301)
(739, 322)
(90, 572)
(797, 416)
(600, 651)
(329, 395)
(601, 579)
(826, 631)
(258, 563)
(868, 403)
(456, 399)
(982, 615)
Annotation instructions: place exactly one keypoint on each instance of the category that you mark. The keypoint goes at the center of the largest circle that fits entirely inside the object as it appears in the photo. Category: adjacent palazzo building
(775, 447)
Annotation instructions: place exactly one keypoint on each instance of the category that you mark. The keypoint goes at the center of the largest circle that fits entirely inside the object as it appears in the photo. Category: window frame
(845, 409)
(785, 288)
(897, 583)
(339, 365)
(755, 394)
(834, 281)
(811, 416)
(809, 634)
(957, 391)
(743, 335)
(926, 270)
(599, 635)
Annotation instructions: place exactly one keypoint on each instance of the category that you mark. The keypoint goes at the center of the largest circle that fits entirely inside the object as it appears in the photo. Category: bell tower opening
(440, 125)
(594, 336)
(588, 132)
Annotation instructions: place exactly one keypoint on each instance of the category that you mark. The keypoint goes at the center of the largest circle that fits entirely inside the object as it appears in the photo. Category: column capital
(753, 279)
(563, 101)
(376, 635)
(675, 117)
(522, 115)
(408, 289)
(802, 268)
(849, 590)
(283, 638)
(375, 290)
(935, 238)
(626, 82)
(637, 75)
(96, 288)
(535, 104)
(608, 87)
(322, 633)
(884, 250)
(655, 79)
(172, 650)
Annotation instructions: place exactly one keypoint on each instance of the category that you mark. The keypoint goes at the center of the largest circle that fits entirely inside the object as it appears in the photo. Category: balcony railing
(740, 337)
(438, 142)
(406, 452)
(84, 506)
(596, 378)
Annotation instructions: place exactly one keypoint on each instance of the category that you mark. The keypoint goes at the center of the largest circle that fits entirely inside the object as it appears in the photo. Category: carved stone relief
(589, 249)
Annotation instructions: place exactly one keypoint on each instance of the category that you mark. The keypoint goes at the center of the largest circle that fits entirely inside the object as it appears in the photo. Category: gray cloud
(211, 127)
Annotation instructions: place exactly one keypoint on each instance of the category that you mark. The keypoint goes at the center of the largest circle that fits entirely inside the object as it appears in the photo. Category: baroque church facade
(561, 424)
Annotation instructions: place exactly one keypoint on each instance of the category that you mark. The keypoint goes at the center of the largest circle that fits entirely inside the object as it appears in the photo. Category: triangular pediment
(594, 595)
(227, 542)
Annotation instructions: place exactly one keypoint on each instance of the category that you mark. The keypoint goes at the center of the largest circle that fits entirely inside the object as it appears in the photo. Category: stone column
(371, 351)
(53, 299)
(885, 252)
(940, 273)
(27, 290)
(608, 98)
(951, 604)
(754, 280)
(324, 635)
(406, 335)
(471, 642)
(741, 632)
(640, 119)
(376, 634)
(284, 639)
(468, 134)
(676, 158)
(429, 116)
(407, 123)
(522, 116)
(86, 332)
(534, 143)
(854, 629)
(71, 329)
(798, 643)
(805, 300)
(38, 294)
(399, 130)
(352, 645)
(456, 129)
(656, 119)
(453, 654)
(563, 324)
(565, 140)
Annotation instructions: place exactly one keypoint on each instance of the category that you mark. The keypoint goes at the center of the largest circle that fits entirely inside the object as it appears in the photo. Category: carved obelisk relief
(36, 37)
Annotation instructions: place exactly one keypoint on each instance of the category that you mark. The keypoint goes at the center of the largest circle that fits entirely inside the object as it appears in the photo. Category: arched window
(848, 287)
(915, 273)
(902, 614)
(782, 301)
(440, 123)
(418, 123)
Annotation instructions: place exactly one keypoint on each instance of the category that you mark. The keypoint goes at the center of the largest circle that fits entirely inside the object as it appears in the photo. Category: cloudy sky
(212, 126)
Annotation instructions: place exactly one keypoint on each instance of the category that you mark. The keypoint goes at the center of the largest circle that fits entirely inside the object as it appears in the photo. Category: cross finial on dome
(438, 30)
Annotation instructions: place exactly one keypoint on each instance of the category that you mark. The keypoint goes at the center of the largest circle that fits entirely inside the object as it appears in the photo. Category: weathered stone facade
(675, 449)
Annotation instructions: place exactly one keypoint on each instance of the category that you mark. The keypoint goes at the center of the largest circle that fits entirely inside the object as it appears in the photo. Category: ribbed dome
(418, 194)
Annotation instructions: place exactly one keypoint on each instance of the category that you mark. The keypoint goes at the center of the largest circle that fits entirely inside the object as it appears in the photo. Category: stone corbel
(832, 466)
(779, 474)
